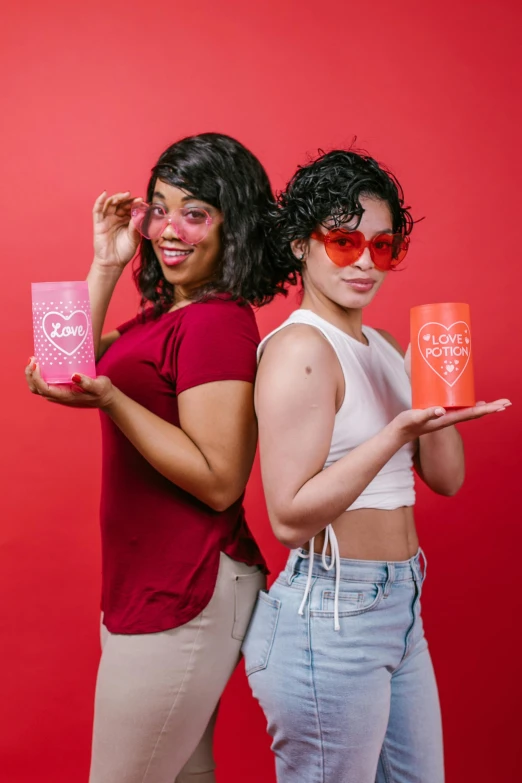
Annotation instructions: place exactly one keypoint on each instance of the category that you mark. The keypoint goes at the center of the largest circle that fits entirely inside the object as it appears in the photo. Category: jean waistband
(375, 571)
(349, 570)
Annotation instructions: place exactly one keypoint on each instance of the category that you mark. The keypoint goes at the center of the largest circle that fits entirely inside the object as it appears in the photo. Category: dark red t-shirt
(160, 545)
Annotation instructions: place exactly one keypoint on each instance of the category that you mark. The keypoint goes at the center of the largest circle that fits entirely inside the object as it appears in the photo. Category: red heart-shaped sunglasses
(346, 247)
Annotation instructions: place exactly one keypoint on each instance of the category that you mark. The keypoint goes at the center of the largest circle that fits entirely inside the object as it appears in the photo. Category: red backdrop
(92, 94)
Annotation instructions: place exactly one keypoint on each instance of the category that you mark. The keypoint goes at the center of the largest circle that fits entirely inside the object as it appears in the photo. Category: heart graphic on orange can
(442, 369)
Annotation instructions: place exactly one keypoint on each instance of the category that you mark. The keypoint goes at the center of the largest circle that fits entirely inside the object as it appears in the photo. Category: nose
(364, 262)
(168, 231)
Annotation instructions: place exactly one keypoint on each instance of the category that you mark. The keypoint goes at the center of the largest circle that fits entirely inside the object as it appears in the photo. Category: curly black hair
(219, 170)
(330, 188)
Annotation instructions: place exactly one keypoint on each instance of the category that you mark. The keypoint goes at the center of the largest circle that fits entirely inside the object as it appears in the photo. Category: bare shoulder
(390, 339)
(298, 374)
(297, 344)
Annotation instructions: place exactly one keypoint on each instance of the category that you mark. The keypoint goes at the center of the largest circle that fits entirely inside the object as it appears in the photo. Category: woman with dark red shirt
(181, 570)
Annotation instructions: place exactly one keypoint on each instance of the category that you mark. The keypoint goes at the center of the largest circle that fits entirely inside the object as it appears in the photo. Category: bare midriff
(373, 534)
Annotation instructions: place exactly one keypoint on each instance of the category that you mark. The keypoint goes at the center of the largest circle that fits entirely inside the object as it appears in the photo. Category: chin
(175, 274)
(354, 302)
(184, 278)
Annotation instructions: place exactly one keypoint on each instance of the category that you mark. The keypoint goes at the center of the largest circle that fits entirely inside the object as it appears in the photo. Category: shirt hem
(202, 380)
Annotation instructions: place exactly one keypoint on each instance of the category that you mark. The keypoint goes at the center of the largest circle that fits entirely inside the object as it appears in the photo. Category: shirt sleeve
(217, 342)
(126, 326)
(140, 318)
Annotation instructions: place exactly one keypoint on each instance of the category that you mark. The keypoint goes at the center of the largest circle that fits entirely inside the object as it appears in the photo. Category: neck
(346, 319)
(181, 299)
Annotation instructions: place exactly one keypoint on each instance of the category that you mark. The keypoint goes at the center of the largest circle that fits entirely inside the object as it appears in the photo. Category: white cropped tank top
(376, 390)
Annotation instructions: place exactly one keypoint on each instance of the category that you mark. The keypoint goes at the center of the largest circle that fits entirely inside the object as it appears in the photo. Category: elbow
(217, 491)
(287, 534)
(221, 498)
(289, 524)
(218, 503)
(446, 492)
(451, 488)
(450, 492)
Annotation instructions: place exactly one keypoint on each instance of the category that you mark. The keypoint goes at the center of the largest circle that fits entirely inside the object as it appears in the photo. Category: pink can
(62, 329)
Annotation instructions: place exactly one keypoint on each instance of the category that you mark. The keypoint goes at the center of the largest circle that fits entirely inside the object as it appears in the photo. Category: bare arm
(296, 390)
(106, 341)
(211, 454)
(439, 459)
(102, 282)
(115, 243)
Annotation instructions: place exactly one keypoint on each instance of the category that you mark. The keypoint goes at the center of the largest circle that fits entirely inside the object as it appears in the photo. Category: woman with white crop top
(335, 652)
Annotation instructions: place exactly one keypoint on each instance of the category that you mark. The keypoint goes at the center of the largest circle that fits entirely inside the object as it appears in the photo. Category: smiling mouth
(172, 256)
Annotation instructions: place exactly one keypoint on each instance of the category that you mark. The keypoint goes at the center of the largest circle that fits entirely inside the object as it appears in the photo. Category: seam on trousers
(175, 701)
(322, 765)
(386, 766)
(411, 629)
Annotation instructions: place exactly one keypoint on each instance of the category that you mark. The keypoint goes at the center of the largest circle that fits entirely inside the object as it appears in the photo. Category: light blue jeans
(357, 705)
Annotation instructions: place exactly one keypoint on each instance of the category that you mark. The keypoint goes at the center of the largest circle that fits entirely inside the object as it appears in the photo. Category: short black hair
(219, 170)
(331, 186)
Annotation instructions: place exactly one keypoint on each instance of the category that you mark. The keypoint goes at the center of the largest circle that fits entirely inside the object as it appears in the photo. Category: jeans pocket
(347, 601)
(362, 598)
(246, 588)
(261, 632)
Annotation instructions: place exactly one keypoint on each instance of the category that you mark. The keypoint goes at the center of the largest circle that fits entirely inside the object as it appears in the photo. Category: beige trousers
(157, 694)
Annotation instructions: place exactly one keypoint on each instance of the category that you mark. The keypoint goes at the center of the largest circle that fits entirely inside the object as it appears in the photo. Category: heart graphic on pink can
(66, 332)
(440, 347)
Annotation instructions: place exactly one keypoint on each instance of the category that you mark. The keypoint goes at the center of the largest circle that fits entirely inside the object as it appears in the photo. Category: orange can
(441, 358)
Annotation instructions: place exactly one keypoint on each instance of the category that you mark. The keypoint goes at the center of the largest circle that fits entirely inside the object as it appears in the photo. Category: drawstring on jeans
(329, 538)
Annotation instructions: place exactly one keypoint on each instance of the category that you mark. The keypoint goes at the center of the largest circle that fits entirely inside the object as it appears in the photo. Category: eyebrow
(376, 234)
(189, 197)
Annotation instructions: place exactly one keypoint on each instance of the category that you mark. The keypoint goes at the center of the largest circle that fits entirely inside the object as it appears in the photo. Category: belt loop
(419, 565)
(311, 553)
(291, 566)
(423, 564)
(389, 580)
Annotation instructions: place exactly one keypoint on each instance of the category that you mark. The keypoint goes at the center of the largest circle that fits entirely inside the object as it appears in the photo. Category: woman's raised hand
(116, 240)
